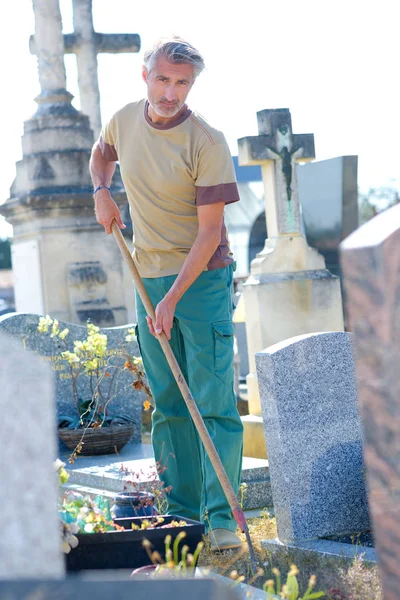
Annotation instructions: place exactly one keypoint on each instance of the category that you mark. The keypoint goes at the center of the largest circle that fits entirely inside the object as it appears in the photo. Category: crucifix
(277, 150)
(86, 43)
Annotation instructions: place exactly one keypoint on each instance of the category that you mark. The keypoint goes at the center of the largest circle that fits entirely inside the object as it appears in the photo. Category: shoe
(223, 539)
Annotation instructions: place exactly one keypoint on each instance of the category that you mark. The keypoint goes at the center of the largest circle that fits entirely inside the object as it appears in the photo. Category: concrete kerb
(323, 558)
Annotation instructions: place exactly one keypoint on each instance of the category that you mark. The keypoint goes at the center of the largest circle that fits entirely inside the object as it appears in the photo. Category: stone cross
(277, 149)
(370, 260)
(86, 43)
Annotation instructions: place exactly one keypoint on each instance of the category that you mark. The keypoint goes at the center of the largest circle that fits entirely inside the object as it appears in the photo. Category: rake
(187, 396)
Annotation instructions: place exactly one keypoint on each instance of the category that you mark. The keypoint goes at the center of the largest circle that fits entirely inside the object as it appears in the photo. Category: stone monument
(370, 260)
(30, 542)
(315, 447)
(86, 43)
(51, 204)
(289, 291)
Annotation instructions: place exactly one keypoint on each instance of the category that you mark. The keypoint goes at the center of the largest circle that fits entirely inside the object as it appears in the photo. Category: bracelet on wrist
(100, 187)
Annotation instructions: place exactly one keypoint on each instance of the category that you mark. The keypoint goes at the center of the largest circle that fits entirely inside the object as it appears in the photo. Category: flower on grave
(44, 324)
(90, 357)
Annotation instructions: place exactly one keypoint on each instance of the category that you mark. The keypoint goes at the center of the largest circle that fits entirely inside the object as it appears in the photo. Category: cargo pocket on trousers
(223, 350)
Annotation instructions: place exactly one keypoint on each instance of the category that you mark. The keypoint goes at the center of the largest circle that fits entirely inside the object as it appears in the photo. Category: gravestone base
(49, 248)
(135, 469)
(254, 437)
(280, 306)
(285, 254)
(323, 558)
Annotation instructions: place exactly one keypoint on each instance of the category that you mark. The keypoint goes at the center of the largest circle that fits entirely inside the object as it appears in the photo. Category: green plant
(91, 358)
(265, 514)
(290, 590)
(177, 563)
(242, 492)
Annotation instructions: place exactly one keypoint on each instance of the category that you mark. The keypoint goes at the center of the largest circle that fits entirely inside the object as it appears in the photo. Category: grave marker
(370, 260)
(127, 400)
(30, 541)
(312, 428)
(289, 291)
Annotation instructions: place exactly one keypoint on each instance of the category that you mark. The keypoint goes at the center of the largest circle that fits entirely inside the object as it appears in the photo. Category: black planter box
(124, 549)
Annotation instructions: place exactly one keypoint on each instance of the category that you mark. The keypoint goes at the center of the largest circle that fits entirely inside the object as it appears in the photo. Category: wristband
(100, 187)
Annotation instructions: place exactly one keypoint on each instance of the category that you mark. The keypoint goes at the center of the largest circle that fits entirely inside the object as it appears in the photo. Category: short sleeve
(107, 141)
(216, 180)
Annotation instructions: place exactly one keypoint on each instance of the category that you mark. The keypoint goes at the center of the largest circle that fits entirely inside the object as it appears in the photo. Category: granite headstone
(30, 540)
(126, 400)
(313, 434)
(371, 273)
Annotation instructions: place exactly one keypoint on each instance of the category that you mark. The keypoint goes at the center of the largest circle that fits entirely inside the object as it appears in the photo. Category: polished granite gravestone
(312, 428)
(30, 542)
(370, 260)
(126, 401)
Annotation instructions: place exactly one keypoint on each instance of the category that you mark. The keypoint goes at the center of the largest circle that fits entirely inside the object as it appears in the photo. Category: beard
(166, 111)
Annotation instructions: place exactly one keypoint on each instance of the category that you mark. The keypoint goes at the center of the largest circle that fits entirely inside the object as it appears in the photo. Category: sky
(334, 64)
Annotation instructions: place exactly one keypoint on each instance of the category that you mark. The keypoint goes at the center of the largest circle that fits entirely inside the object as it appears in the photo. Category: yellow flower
(55, 330)
(44, 324)
(130, 337)
(92, 328)
(312, 581)
(63, 333)
(70, 357)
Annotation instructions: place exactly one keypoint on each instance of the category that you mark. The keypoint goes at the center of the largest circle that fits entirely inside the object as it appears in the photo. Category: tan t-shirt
(167, 172)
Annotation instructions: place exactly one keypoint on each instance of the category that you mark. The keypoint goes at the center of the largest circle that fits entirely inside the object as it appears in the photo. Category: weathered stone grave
(30, 541)
(289, 291)
(315, 446)
(126, 401)
(371, 273)
(55, 233)
(86, 44)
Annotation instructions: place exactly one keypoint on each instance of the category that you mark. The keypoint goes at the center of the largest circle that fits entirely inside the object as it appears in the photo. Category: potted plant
(92, 539)
(94, 429)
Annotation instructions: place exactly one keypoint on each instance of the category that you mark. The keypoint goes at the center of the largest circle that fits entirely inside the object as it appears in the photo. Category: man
(178, 175)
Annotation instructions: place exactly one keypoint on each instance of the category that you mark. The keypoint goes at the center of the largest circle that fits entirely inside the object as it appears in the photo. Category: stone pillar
(51, 203)
(289, 291)
(49, 45)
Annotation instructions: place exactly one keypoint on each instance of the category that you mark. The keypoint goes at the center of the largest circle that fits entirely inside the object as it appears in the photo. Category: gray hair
(175, 50)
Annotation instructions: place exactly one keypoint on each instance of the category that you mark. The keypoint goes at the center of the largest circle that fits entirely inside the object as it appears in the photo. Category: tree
(5, 254)
(376, 200)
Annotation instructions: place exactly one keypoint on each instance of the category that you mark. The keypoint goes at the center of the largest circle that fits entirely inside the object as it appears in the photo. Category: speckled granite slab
(312, 429)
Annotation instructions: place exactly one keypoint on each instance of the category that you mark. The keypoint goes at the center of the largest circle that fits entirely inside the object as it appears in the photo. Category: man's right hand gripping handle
(106, 209)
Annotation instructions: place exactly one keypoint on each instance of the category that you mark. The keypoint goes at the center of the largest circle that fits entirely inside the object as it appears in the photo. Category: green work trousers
(202, 341)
